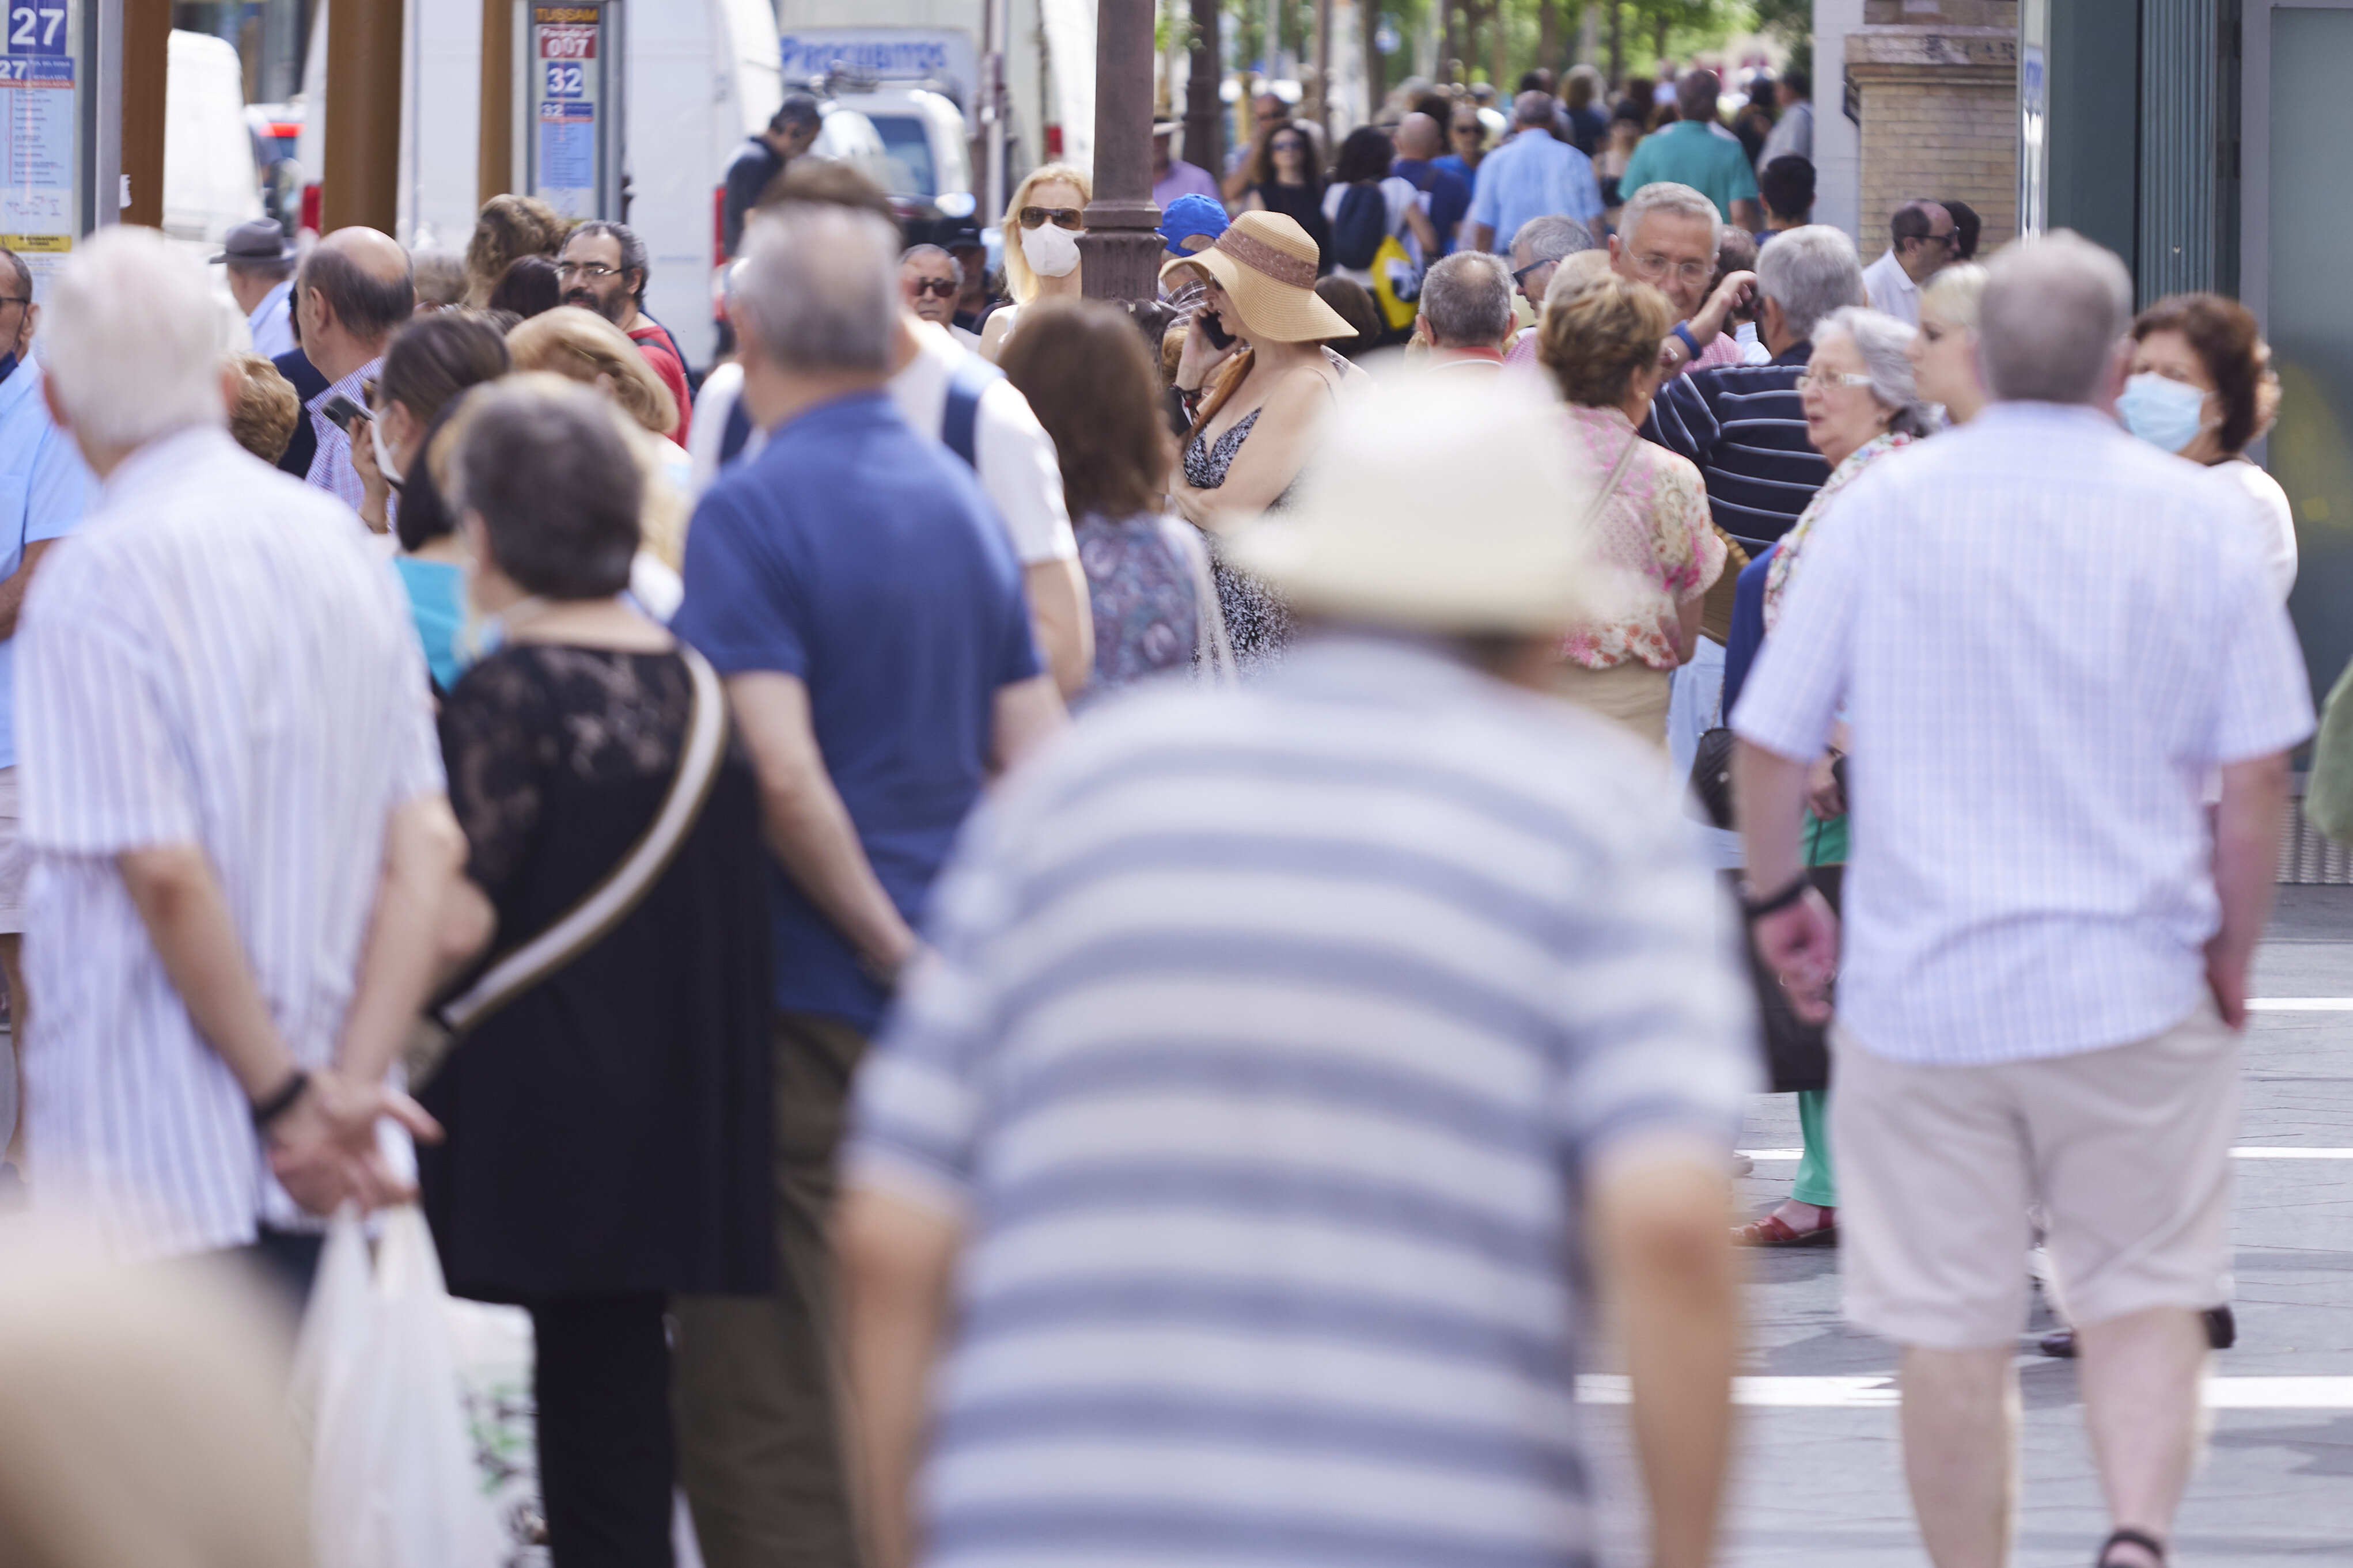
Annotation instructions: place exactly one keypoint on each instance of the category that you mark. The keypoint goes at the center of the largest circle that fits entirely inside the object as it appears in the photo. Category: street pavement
(1818, 1477)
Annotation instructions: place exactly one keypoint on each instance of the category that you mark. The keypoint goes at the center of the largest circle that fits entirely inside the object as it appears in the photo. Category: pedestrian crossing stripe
(2252, 1152)
(1880, 1393)
(2300, 1004)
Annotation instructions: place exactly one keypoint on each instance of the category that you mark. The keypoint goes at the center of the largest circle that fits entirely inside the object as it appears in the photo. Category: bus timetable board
(41, 205)
(570, 63)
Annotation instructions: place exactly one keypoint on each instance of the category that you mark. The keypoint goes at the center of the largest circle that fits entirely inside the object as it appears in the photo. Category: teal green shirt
(1689, 153)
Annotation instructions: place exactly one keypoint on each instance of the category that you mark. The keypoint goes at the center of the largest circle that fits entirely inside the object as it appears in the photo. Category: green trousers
(1817, 1183)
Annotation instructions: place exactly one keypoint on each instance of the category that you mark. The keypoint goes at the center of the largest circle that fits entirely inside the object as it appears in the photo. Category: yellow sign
(21, 243)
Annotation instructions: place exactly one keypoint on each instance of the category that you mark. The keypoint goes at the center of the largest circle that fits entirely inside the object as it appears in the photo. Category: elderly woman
(1649, 512)
(1043, 220)
(1256, 421)
(1945, 354)
(608, 1128)
(2202, 385)
(1862, 402)
(582, 346)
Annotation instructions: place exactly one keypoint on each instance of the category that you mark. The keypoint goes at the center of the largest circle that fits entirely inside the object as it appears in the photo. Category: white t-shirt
(1015, 460)
(2269, 515)
(1397, 194)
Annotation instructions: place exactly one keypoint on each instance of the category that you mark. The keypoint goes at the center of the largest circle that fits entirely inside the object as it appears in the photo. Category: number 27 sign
(37, 29)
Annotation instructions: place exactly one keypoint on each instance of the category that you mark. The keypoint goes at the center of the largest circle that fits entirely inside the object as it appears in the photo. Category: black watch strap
(1758, 909)
(269, 1110)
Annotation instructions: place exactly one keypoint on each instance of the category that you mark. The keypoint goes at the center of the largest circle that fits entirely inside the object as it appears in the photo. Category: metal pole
(1322, 113)
(495, 147)
(362, 180)
(994, 26)
(146, 67)
(1204, 113)
(1120, 252)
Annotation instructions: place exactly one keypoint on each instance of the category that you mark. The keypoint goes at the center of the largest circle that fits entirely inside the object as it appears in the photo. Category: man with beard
(603, 269)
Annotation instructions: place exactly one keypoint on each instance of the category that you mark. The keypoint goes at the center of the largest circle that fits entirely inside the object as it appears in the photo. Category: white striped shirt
(330, 465)
(2045, 634)
(1270, 1033)
(212, 660)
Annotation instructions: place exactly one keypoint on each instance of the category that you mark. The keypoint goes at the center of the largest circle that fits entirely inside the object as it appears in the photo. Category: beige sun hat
(1266, 263)
(1444, 504)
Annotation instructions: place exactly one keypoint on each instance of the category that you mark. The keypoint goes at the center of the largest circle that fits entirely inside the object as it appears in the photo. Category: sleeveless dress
(1258, 622)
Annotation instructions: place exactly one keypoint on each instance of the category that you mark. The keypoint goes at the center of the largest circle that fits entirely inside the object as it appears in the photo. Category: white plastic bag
(393, 1483)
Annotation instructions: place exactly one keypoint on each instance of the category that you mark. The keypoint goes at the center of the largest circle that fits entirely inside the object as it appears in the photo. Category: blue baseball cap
(1192, 217)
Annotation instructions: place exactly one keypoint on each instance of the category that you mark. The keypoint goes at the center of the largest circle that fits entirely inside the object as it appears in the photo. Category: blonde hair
(1597, 339)
(1020, 281)
(1953, 294)
(581, 345)
(262, 418)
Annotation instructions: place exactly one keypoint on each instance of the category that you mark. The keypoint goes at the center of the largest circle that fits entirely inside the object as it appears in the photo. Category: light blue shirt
(2046, 636)
(1533, 175)
(273, 322)
(44, 491)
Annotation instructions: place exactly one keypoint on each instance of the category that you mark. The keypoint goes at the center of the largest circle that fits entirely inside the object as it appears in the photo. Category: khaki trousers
(756, 1384)
(1632, 693)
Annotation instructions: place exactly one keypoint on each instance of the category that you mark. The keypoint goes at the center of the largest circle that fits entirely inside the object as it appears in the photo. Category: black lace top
(610, 1129)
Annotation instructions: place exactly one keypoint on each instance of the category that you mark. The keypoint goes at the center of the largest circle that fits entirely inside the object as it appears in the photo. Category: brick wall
(1938, 82)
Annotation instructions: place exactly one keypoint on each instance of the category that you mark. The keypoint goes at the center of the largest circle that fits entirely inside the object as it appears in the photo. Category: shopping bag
(1396, 283)
(393, 1482)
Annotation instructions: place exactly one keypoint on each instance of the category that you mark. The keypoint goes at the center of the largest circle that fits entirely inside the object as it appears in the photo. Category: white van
(923, 132)
(211, 183)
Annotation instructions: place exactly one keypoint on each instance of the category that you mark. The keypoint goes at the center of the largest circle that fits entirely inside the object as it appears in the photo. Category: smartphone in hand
(342, 411)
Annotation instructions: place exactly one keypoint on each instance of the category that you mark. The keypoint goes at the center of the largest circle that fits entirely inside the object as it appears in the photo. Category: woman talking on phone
(1042, 225)
(1255, 372)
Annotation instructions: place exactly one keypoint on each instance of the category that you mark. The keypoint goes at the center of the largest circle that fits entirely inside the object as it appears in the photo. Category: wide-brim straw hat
(1266, 264)
(1442, 504)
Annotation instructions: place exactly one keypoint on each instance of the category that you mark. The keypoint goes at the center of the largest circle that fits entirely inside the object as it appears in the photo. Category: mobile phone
(1215, 329)
(342, 411)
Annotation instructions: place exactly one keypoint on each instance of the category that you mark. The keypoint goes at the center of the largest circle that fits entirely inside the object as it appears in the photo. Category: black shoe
(1742, 1164)
(2222, 1333)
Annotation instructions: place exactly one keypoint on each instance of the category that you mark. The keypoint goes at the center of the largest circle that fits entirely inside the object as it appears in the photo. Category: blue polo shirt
(1533, 175)
(863, 559)
(44, 491)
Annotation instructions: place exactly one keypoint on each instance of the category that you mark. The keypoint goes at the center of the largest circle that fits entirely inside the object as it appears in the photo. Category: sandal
(1775, 1231)
(2147, 1544)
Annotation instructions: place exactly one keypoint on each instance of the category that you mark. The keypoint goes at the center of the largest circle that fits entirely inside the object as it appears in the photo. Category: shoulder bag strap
(626, 886)
(960, 420)
(1592, 513)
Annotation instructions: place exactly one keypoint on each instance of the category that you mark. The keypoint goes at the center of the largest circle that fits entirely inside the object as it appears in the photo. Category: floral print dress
(1653, 527)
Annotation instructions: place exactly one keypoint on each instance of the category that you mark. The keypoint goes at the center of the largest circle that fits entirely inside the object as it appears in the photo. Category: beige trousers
(1632, 693)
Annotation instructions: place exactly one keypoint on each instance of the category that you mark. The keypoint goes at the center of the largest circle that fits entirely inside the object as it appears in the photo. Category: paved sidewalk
(1823, 1488)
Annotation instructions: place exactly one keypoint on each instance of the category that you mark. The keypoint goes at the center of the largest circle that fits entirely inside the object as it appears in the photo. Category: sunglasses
(943, 287)
(1288, 144)
(1060, 217)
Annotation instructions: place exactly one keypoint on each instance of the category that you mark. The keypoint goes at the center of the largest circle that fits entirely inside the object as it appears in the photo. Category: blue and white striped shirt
(212, 658)
(1745, 426)
(1272, 1035)
(2045, 634)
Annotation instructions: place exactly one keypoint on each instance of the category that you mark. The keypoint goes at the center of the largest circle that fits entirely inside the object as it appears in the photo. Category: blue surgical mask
(2164, 413)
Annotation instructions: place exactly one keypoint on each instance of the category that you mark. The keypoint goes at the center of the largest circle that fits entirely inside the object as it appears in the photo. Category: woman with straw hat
(1262, 398)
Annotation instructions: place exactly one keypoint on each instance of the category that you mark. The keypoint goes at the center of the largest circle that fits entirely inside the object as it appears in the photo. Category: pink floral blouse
(1654, 528)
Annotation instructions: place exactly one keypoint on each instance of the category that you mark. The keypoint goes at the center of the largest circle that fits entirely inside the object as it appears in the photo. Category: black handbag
(1711, 777)
(1796, 1054)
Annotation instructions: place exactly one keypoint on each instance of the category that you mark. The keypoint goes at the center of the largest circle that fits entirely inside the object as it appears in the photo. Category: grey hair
(1954, 292)
(1673, 200)
(819, 289)
(1467, 300)
(1881, 340)
(1809, 272)
(128, 345)
(1532, 108)
(633, 249)
(926, 252)
(2053, 310)
(1551, 238)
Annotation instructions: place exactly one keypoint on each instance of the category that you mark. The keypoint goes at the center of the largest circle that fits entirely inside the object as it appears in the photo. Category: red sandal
(1775, 1231)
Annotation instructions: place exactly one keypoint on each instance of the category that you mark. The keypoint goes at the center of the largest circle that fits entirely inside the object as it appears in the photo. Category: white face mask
(1051, 250)
(383, 463)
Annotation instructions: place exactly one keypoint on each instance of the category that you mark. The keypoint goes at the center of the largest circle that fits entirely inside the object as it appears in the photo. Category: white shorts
(12, 859)
(2127, 1149)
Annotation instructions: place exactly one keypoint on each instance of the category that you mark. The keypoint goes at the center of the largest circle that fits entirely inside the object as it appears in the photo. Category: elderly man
(1466, 311)
(232, 932)
(354, 289)
(1419, 140)
(851, 583)
(1921, 236)
(1305, 1085)
(1696, 151)
(1743, 425)
(1537, 251)
(930, 283)
(2048, 932)
(603, 269)
(259, 262)
(1531, 176)
(1668, 237)
(950, 393)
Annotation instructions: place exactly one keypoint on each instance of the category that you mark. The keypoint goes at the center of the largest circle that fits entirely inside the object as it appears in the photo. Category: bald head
(1532, 108)
(354, 288)
(1418, 136)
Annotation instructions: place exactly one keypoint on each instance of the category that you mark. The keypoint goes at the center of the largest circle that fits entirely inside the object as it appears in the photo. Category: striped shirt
(1746, 428)
(212, 660)
(2044, 634)
(331, 466)
(1272, 1034)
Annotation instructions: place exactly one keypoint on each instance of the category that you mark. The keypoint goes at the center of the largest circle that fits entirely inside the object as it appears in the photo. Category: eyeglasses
(16, 299)
(1060, 217)
(943, 287)
(1520, 277)
(1654, 266)
(595, 271)
(1827, 379)
(1288, 145)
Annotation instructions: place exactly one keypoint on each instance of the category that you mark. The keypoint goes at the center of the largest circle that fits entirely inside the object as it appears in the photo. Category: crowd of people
(923, 1129)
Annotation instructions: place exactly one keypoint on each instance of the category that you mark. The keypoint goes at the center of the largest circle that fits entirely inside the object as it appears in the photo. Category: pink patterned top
(1654, 528)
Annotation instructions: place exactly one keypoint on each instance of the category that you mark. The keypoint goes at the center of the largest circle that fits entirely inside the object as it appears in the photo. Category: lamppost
(1121, 248)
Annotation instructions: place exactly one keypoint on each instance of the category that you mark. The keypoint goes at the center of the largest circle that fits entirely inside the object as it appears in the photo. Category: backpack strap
(737, 434)
(960, 421)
